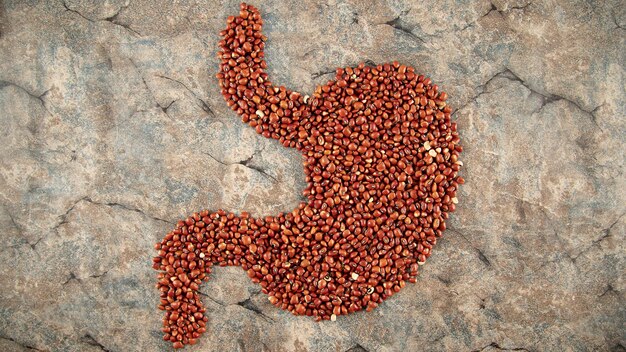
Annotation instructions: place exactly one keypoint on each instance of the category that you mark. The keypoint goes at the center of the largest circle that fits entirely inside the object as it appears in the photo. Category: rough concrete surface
(112, 128)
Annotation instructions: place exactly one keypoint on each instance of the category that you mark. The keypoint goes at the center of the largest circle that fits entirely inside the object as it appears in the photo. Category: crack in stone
(242, 346)
(369, 62)
(203, 104)
(496, 346)
(521, 7)
(482, 304)
(79, 280)
(164, 109)
(63, 217)
(126, 207)
(245, 163)
(111, 19)
(212, 299)
(30, 94)
(492, 9)
(357, 348)
(617, 25)
(247, 304)
(547, 98)
(444, 280)
(99, 275)
(34, 245)
(502, 12)
(609, 289)
(72, 277)
(114, 21)
(438, 338)
(355, 18)
(90, 340)
(483, 258)
(398, 24)
(21, 344)
(156, 101)
(16, 226)
(319, 74)
(619, 347)
(606, 233)
(67, 8)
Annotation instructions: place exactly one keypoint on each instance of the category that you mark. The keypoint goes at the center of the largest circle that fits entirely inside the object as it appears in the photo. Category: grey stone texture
(113, 127)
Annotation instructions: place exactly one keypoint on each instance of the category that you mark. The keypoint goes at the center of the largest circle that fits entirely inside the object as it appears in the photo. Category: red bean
(381, 161)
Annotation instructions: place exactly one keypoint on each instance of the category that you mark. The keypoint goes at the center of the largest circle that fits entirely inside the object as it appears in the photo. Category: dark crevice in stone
(615, 22)
(491, 9)
(357, 348)
(113, 19)
(619, 348)
(245, 163)
(523, 7)
(72, 277)
(319, 74)
(126, 207)
(502, 12)
(212, 299)
(607, 232)
(202, 104)
(249, 305)
(242, 346)
(547, 98)
(398, 24)
(483, 258)
(609, 290)
(90, 340)
(34, 245)
(99, 275)
(127, 27)
(39, 97)
(438, 338)
(444, 280)
(28, 347)
(216, 159)
(498, 347)
(355, 18)
(370, 63)
(67, 8)
(551, 97)
(63, 217)
(17, 227)
(163, 108)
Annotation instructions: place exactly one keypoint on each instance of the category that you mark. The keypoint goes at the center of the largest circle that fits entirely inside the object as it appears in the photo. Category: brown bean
(381, 158)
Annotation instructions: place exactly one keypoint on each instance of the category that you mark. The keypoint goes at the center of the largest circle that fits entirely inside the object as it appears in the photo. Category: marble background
(112, 128)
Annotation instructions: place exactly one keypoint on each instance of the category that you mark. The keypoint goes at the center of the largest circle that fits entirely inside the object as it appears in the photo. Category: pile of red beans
(381, 162)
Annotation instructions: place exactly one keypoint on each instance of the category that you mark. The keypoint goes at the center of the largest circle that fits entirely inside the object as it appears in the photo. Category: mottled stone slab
(113, 128)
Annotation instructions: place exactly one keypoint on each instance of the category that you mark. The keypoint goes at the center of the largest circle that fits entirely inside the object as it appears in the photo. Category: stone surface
(113, 128)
